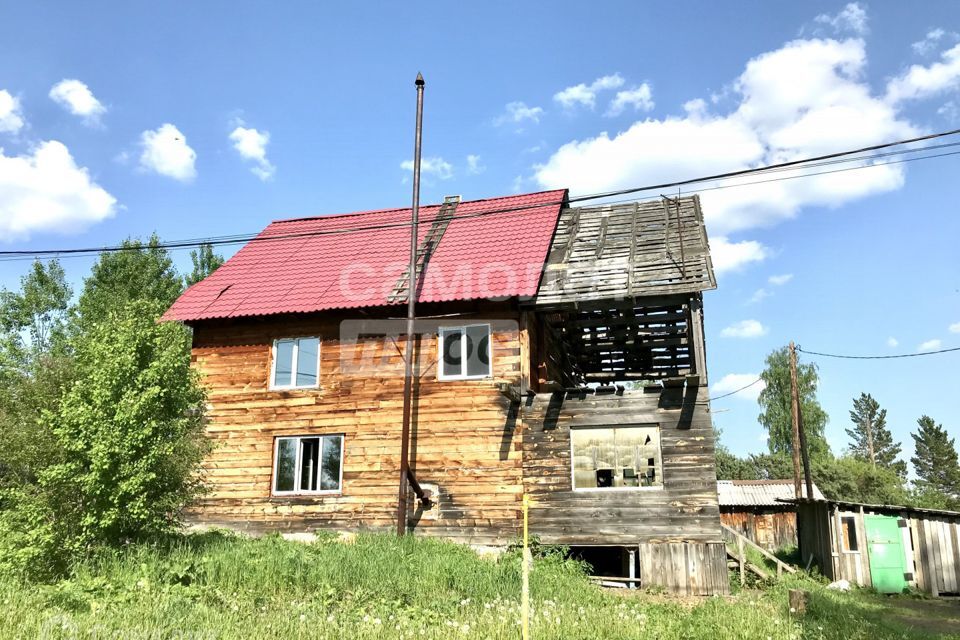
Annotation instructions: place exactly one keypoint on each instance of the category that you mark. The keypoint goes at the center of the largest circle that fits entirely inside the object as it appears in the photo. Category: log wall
(464, 441)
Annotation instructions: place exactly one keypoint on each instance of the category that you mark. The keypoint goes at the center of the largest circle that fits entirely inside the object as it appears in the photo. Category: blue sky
(196, 119)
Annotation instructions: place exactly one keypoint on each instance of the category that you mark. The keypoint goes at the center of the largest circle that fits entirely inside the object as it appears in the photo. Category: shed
(755, 509)
(887, 547)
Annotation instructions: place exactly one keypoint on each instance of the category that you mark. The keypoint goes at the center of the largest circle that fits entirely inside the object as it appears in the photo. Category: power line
(889, 357)
(833, 158)
(744, 388)
(13, 256)
(781, 165)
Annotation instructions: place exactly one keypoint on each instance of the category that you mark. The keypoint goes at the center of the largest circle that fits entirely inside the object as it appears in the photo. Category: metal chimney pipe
(411, 315)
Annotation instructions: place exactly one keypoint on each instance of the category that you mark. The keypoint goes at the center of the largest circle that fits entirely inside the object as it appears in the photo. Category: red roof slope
(492, 248)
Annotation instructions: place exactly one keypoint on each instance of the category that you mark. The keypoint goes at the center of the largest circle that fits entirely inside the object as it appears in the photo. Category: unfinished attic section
(619, 447)
(621, 295)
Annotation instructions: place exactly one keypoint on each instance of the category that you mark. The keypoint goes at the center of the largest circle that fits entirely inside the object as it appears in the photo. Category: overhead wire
(854, 155)
(885, 357)
(736, 391)
(845, 357)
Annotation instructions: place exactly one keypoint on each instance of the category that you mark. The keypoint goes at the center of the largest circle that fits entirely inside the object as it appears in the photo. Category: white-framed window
(296, 363)
(612, 458)
(308, 464)
(464, 352)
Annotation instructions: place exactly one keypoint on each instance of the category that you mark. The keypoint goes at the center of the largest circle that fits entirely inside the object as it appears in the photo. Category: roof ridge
(328, 216)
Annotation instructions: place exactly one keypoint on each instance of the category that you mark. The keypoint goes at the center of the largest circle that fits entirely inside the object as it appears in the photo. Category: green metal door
(885, 551)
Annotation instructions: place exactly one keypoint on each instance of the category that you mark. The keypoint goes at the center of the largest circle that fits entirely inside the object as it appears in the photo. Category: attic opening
(634, 342)
(621, 293)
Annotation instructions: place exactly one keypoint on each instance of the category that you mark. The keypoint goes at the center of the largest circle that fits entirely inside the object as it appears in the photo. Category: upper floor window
(308, 464)
(296, 363)
(465, 352)
(616, 457)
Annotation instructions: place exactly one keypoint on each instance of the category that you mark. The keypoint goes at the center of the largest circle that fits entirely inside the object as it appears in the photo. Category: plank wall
(685, 509)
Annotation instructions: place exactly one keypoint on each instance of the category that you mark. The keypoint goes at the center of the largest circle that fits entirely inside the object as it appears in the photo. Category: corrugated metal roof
(881, 508)
(620, 251)
(759, 493)
(493, 248)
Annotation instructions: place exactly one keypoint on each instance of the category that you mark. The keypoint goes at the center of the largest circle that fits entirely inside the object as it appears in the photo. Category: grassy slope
(214, 586)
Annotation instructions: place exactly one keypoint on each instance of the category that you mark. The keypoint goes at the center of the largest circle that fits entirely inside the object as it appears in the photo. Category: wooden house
(887, 547)
(756, 509)
(558, 353)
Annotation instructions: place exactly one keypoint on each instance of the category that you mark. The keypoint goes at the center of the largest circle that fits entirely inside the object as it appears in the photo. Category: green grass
(219, 586)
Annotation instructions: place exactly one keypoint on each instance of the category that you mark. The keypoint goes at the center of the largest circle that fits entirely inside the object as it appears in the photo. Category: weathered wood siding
(936, 554)
(931, 545)
(465, 437)
(771, 528)
(684, 510)
(685, 568)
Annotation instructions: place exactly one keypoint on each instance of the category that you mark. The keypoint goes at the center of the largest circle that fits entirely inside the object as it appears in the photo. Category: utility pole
(873, 457)
(411, 316)
(795, 415)
(804, 454)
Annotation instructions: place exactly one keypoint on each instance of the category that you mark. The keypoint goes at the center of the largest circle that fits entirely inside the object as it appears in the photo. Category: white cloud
(640, 98)
(892, 342)
(11, 117)
(433, 166)
(758, 295)
(950, 111)
(731, 256)
(930, 345)
(251, 144)
(932, 40)
(586, 95)
(76, 97)
(921, 81)
(518, 113)
(46, 191)
(733, 381)
(807, 98)
(473, 165)
(852, 18)
(166, 152)
(954, 328)
(744, 329)
(780, 280)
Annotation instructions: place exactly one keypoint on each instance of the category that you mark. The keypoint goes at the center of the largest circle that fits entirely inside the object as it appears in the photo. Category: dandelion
(465, 628)
(303, 617)
(376, 621)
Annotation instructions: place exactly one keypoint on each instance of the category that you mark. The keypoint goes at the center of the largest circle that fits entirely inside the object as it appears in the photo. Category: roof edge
(328, 216)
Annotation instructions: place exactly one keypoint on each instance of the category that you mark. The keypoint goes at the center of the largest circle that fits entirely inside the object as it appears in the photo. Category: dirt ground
(935, 616)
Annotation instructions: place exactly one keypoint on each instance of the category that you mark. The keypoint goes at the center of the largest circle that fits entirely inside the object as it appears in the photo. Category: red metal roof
(492, 249)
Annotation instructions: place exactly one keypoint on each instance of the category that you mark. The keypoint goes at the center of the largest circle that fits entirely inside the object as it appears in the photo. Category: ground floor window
(616, 457)
(308, 464)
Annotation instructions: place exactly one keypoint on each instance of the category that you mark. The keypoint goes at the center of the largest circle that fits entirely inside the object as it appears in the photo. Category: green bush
(129, 439)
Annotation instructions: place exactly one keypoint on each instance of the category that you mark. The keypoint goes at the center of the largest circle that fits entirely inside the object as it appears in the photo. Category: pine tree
(935, 462)
(871, 440)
